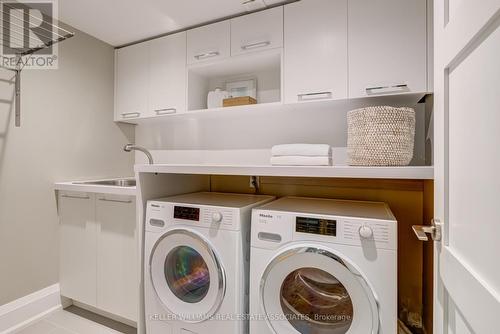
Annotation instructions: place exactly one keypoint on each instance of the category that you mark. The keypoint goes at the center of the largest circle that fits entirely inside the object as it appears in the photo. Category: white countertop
(93, 188)
(255, 162)
(408, 172)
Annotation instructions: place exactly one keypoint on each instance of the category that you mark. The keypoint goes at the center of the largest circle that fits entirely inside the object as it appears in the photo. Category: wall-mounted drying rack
(19, 42)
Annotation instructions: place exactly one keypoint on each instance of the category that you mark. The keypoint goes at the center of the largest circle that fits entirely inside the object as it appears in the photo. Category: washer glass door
(187, 275)
(311, 290)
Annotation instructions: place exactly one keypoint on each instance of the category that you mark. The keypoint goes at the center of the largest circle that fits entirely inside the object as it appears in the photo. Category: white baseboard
(22, 311)
(105, 314)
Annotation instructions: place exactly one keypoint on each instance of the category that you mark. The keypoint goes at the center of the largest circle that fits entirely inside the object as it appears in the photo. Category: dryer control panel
(271, 229)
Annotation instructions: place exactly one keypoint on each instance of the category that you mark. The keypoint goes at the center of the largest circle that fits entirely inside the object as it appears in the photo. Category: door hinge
(434, 230)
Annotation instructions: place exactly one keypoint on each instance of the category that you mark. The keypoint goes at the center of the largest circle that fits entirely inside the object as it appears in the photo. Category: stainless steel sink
(113, 183)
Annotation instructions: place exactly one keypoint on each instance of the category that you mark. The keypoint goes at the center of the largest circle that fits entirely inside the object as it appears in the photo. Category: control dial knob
(365, 232)
(217, 217)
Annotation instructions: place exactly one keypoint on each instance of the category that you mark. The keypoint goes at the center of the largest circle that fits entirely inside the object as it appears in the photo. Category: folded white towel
(295, 160)
(308, 150)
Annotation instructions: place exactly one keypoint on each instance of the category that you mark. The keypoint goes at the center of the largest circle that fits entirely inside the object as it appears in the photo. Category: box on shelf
(239, 101)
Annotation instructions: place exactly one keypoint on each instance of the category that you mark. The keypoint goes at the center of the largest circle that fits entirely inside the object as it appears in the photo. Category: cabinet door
(167, 76)
(387, 47)
(117, 267)
(78, 241)
(315, 61)
(131, 82)
(259, 31)
(209, 42)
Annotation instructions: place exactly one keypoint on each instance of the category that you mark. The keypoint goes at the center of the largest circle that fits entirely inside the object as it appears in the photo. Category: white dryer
(321, 266)
(197, 263)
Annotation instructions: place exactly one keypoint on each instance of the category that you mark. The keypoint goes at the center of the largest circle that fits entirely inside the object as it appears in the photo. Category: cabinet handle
(387, 89)
(256, 45)
(115, 200)
(315, 96)
(75, 197)
(131, 114)
(165, 111)
(207, 55)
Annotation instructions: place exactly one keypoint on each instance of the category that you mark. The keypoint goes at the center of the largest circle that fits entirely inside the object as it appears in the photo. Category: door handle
(115, 200)
(75, 197)
(207, 55)
(434, 230)
(255, 45)
(131, 114)
(315, 96)
(165, 111)
(387, 89)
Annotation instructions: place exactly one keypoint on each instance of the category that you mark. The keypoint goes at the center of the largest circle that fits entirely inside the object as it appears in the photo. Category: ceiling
(120, 22)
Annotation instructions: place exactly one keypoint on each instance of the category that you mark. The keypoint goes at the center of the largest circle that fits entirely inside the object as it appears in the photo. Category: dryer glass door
(314, 291)
(187, 275)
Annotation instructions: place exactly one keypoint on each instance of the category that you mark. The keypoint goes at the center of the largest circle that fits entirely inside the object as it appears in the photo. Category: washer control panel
(161, 215)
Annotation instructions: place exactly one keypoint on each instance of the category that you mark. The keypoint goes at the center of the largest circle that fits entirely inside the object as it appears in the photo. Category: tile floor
(65, 322)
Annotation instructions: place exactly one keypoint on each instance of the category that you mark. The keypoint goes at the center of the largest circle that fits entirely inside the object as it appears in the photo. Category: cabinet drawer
(387, 47)
(258, 31)
(209, 42)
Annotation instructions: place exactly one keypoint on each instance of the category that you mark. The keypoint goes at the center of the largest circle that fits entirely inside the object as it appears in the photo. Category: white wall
(67, 133)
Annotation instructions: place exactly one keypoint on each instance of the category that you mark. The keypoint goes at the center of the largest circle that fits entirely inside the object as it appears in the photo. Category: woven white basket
(381, 136)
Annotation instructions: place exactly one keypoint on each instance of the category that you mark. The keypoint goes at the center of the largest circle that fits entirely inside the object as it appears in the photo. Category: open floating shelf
(333, 105)
(407, 172)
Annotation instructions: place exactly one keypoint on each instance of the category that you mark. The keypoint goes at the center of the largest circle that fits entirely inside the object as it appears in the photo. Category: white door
(315, 61)
(117, 260)
(78, 244)
(131, 82)
(467, 160)
(257, 31)
(212, 42)
(167, 75)
(387, 47)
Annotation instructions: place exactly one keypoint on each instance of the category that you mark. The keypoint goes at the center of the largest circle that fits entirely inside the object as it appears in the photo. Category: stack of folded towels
(301, 155)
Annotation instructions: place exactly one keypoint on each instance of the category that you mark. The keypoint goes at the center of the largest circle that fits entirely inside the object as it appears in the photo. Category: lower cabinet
(78, 245)
(99, 254)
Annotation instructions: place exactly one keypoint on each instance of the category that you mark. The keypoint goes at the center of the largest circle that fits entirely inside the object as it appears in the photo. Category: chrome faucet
(132, 147)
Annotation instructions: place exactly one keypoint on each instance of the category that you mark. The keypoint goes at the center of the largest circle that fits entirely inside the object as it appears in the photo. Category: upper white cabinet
(131, 82)
(150, 78)
(303, 51)
(315, 60)
(167, 75)
(209, 42)
(258, 31)
(387, 47)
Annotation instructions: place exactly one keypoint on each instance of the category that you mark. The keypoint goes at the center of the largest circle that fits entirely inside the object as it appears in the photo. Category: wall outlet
(254, 182)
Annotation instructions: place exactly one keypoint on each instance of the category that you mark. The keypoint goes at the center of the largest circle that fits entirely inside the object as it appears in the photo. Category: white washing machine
(321, 266)
(197, 263)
